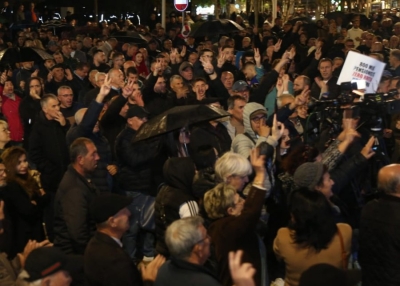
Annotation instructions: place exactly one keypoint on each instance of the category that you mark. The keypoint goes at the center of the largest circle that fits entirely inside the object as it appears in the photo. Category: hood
(248, 109)
(179, 173)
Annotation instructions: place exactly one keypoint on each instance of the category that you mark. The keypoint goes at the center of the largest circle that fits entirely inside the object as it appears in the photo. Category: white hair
(232, 164)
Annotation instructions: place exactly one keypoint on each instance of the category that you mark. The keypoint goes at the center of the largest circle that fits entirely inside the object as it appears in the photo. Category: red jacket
(10, 109)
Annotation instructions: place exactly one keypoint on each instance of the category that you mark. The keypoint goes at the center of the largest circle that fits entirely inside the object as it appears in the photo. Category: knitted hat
(308, 175)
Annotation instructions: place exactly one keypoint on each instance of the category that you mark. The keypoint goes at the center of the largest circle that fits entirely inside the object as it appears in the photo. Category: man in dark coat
(73, 226)
(47, 147)
(380, 232)
(186, 264)
(87, 125)
(105, 261)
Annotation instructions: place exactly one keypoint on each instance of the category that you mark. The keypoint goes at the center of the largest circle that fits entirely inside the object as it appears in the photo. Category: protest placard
(361, 67)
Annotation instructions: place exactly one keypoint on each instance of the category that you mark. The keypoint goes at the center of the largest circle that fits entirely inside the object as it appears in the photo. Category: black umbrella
(12, 56)
(178, 117)
(216, 27)
(54, 24)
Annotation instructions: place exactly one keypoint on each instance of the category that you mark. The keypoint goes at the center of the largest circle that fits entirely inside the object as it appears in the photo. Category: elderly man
(73, 226)
(379, 232)
(189, 245)
(68, 106)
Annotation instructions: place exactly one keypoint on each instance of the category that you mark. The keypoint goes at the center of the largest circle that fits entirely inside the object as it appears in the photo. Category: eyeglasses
(202, 240)
(258, 118)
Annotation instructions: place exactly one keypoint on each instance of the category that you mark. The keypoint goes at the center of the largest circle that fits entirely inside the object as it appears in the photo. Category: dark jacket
(48, 151)
(29, 110)
(206, 134)
(333, 89)
(73, 227)
(140, 163)
(106, 263)
(156, 103)
(178, 177)
(26, 218)
(100, 177)
(379, 242)
(232, 233)
(112, 123)
(181, 273)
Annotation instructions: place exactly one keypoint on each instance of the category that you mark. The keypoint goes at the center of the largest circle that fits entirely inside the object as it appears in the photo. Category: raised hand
(277, 46)
(35, 73)
(60, 118)
(68, 74)
(221, 59)
(367, 151)
(318, 53)
(149, 272)
(257, 57)
(183, 51)
(242, 273)
(127, 90)
(208, 67)
(292, 53)
(277, 129)
(105, 88)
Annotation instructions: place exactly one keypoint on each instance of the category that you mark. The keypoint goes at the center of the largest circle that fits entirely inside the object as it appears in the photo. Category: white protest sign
(361, 67)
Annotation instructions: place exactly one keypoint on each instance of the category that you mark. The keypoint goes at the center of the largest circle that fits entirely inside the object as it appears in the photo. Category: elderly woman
(312, 237)
(235, 220)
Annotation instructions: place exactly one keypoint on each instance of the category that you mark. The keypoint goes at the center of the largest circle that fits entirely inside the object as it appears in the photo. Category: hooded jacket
(175, 199)
(242, 144)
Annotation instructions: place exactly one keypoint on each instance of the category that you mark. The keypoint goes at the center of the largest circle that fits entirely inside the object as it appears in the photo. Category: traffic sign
(181, 5)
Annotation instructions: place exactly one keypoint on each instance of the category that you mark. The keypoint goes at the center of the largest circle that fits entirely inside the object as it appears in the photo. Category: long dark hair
(27, 89)
(298, 156)
(312, 223)
(27, 182)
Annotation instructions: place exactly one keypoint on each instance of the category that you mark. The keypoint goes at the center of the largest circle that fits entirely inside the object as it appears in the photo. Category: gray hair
(280, 99)
(79, 115)
(232, 164)
(63, 87)
(45, 99)
(78, 148)
(175, 76)
(96, 77)
(182, 235)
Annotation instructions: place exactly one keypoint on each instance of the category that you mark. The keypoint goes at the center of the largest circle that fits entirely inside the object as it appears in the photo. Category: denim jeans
(131, 238)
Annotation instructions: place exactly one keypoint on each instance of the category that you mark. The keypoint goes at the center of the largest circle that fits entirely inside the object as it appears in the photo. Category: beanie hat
(308, 174)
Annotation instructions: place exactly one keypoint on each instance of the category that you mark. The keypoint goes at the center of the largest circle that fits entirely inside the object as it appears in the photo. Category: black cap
(107, 205)
(138, 111)
(46, 261)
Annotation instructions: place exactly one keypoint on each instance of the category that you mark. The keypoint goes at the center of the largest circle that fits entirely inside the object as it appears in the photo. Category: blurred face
(237, 208)
(227, 80)
(302, 111)
(4, 134)
(326, 69)
(100, 80)
(117, 78)
(187, 74)
(203, 245)
(356, 23)
(206, 56)
(83, 72)
(58, 59)
(168, 45)
(121, 220)
(244, 93)
(22, 166)
(52, 108)
(139, 58)
(237, 110)
(285, 144)
(8, 88)
(176, 84)
(119, 61)
(89, 161)
(200, 88)
(256, 122)
(337, 63)
(66, 49)
(298, 84)
(58, 74)
(35, 86)
(192, 58)
(100, 58)
(249, 72)
(65, 96)
(133, 77)
(326, 188)
(228, 52)
(49, 64)
(160, 86)
(349, 45)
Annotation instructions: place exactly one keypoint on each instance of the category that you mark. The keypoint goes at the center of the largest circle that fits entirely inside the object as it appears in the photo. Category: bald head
(389, 179)
(79, 115)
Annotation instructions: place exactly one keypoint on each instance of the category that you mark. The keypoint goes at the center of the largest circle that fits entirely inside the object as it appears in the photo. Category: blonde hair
(218, 200)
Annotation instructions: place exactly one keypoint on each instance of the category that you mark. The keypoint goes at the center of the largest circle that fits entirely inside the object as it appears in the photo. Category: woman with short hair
(235, 219)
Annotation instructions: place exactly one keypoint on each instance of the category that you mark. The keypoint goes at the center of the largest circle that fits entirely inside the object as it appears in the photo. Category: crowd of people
(289, 186)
